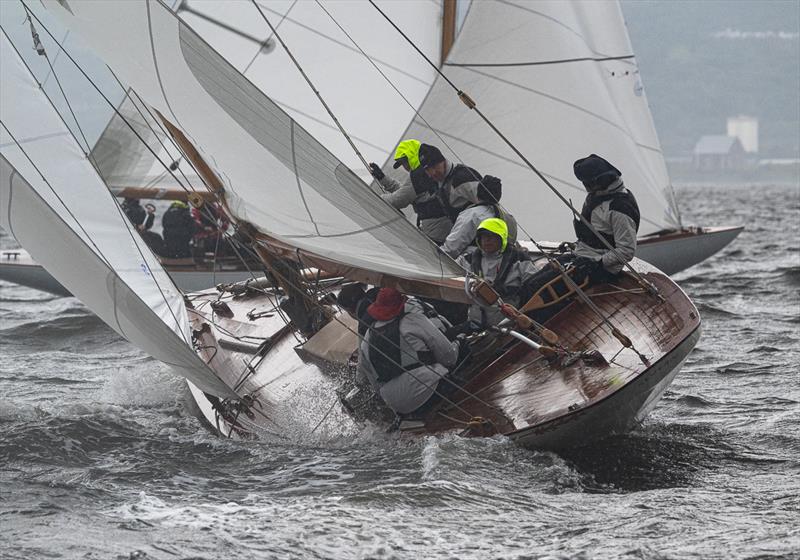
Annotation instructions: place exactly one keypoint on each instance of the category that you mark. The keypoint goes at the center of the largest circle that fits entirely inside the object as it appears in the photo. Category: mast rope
(471, 104)
(434, 389)
(233, 241)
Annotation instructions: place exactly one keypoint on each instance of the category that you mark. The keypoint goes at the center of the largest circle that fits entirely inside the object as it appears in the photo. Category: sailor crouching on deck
(404, 354)
(504, 266)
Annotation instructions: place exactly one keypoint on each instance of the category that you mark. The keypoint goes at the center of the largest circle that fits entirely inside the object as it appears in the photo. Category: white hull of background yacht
(674, 252)
(17, 266)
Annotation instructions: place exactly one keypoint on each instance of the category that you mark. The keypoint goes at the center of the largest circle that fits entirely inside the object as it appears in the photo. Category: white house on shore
(718, 152)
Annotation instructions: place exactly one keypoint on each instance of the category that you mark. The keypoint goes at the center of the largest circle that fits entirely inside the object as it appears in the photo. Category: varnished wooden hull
(618, 413)
(516, 392)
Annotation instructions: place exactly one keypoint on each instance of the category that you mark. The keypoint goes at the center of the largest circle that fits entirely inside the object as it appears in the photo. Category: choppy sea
(100, 456)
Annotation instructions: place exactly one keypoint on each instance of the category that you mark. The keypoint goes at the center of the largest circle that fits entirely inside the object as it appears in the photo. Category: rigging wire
(311, 85)
(434, 389)
(136, 133)
(43, 52)
(166, 167)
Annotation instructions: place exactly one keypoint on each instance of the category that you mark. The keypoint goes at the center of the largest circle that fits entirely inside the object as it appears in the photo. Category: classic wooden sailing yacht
(596, 367)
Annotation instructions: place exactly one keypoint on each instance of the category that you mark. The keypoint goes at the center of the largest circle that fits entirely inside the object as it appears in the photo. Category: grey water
(101, 458)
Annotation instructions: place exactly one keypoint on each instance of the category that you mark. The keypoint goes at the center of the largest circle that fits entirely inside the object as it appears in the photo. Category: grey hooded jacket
(409, 391)
(401, 195)
(621, 226)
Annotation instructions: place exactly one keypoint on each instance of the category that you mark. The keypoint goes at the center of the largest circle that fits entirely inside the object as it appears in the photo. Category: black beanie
(350, 295)
(490, 189)
(590, 168)
(429, 155)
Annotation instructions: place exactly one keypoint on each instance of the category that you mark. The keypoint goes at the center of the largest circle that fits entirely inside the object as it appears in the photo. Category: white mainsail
(559, 79)
(275, 174)
(53, 202)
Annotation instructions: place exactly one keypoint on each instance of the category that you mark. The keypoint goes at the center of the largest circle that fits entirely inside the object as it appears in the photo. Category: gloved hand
(566, 247)
(587, 266)
(376, 171)
(461, 330)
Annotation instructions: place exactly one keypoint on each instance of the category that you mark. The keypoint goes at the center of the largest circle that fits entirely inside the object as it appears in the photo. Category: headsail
(364, 102)
(276, 175)
(123, 160)
(53, 202)
(561, 82)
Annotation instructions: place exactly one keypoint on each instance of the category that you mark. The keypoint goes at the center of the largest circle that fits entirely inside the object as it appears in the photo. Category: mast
(448, 27)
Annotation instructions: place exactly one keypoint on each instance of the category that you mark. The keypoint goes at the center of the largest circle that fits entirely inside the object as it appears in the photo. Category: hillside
(703, 61)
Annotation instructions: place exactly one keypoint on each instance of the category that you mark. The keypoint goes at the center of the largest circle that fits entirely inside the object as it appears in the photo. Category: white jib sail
(125, 158)
(558, 78)
(275, 174)
(56, 206)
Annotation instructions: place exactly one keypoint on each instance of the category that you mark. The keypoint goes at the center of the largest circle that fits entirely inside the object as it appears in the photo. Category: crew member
(506, 267)
(178, 228)
(141, 218)
(210, 225)
(404, 355)
(355, 299)
(613, 212)
(457, 184)
(463, 233)
(419, 191)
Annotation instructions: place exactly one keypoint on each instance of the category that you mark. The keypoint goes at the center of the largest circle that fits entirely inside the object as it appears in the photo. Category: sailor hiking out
(507, 268)
(404, 355)
(463, 233)
(419, 190)
(614, 214)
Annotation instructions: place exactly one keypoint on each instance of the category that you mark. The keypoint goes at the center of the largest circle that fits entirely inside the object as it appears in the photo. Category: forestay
(275, 174)
(560, 81)
(54, 203)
